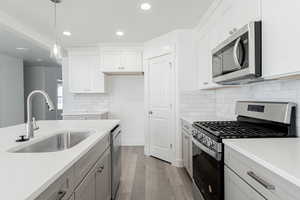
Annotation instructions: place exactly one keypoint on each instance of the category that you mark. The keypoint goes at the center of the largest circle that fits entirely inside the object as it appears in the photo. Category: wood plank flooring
(148, 178)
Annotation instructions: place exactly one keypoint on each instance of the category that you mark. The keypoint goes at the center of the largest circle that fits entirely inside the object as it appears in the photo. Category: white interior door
(160, 107)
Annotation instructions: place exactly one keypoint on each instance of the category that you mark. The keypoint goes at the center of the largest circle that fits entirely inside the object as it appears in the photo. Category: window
(59, 95)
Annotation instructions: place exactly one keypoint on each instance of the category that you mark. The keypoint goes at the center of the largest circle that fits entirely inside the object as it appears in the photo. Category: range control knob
(199, 136)
(209, 143)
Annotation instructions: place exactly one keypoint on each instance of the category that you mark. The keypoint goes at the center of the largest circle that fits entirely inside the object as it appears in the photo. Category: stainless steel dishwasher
(115, 142)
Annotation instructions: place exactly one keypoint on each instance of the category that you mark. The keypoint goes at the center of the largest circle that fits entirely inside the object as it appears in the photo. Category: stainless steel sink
(57, 142)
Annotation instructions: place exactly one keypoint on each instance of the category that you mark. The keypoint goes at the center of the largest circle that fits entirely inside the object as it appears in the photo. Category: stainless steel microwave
(239, 58)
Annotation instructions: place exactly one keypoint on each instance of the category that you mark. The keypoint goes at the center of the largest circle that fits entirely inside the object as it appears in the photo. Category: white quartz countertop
(78, 112)
(280, 155)
(24, 176)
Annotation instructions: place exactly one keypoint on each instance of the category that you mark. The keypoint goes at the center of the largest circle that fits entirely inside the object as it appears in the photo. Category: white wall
(42, 78)
(124, 100)
(11, 91)
(126, 95)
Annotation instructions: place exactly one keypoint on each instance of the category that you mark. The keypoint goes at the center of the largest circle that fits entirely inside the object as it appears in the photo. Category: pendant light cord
(55, 28)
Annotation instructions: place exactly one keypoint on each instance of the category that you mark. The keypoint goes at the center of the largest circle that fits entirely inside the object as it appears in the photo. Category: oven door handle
(212, 153)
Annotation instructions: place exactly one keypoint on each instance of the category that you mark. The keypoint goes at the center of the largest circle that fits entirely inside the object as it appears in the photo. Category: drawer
(263, 180)
(237, 189)
(61, 189)
(82, 167)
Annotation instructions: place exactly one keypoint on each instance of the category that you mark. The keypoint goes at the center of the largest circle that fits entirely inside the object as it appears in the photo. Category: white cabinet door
(131, 61)
(237, 189)
(97, 77)
(84, 74)
(281, 40)
(111, 60)
(185, 150)
(118, 61)
(204, 57)
(79, 74)
(232, 15)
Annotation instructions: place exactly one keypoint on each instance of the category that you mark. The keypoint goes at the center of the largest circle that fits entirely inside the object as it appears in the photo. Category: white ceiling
(95, 21)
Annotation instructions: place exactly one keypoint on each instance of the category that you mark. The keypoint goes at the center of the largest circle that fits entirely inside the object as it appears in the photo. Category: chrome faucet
(30, 128)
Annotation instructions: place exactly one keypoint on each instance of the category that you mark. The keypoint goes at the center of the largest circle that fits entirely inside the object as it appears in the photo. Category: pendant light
(56, 49)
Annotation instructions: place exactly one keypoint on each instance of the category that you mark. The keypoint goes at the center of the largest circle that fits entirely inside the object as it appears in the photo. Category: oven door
(208, 173)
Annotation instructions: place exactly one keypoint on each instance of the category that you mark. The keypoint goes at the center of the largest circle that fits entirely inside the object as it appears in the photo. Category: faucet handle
(34, 124)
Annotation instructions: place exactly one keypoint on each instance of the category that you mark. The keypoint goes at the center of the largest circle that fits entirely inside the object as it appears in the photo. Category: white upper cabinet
(84, 73)
(281, 39)
(232, 15)
(121, 61)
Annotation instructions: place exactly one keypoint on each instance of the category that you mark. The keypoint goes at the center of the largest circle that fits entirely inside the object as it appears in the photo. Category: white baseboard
(177, 163)
(132, 143)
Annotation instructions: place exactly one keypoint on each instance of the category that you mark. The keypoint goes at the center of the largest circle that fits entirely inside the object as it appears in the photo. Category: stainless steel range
(254, 120)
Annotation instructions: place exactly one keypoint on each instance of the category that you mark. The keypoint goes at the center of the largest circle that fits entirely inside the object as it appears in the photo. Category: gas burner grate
(235, 129)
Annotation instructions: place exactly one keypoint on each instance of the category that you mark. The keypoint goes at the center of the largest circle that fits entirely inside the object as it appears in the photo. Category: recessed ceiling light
(21, 48)
(145, 6)
(39, 60)
(120, 33)
(67, 33)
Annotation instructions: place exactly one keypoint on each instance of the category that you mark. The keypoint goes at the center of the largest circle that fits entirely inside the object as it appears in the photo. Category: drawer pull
(100, 169)
(264, 183)
(61, 194)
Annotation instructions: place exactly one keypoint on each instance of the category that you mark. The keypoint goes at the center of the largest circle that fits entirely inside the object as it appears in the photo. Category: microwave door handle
(235, 57)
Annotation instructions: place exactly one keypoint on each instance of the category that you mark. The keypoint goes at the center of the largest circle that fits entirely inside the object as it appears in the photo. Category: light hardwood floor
(148, 178)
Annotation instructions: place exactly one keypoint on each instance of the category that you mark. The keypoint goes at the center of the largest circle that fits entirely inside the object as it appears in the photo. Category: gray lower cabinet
(96, 185)
(237, 189)
(71, 198)
(61, 189)
(103, 177)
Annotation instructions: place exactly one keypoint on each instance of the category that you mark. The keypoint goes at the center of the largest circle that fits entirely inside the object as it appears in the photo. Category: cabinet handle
(100, 169)
(61, 194)
(261, 181)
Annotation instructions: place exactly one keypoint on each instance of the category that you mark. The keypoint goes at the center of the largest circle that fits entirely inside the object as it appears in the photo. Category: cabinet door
(72, 198)
(190, 160)
(111, 60)
(97, 77)
(87, 188)
(185, 150)
(237, 189)
(131, 61)
(281, 40)
(103, 177)
(79, 74)
(232, 15)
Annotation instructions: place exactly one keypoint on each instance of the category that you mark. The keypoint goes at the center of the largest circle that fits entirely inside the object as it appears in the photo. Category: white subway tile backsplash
(221, 102)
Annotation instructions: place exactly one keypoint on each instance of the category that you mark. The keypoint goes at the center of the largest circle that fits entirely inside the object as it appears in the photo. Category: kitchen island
(26, 176)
